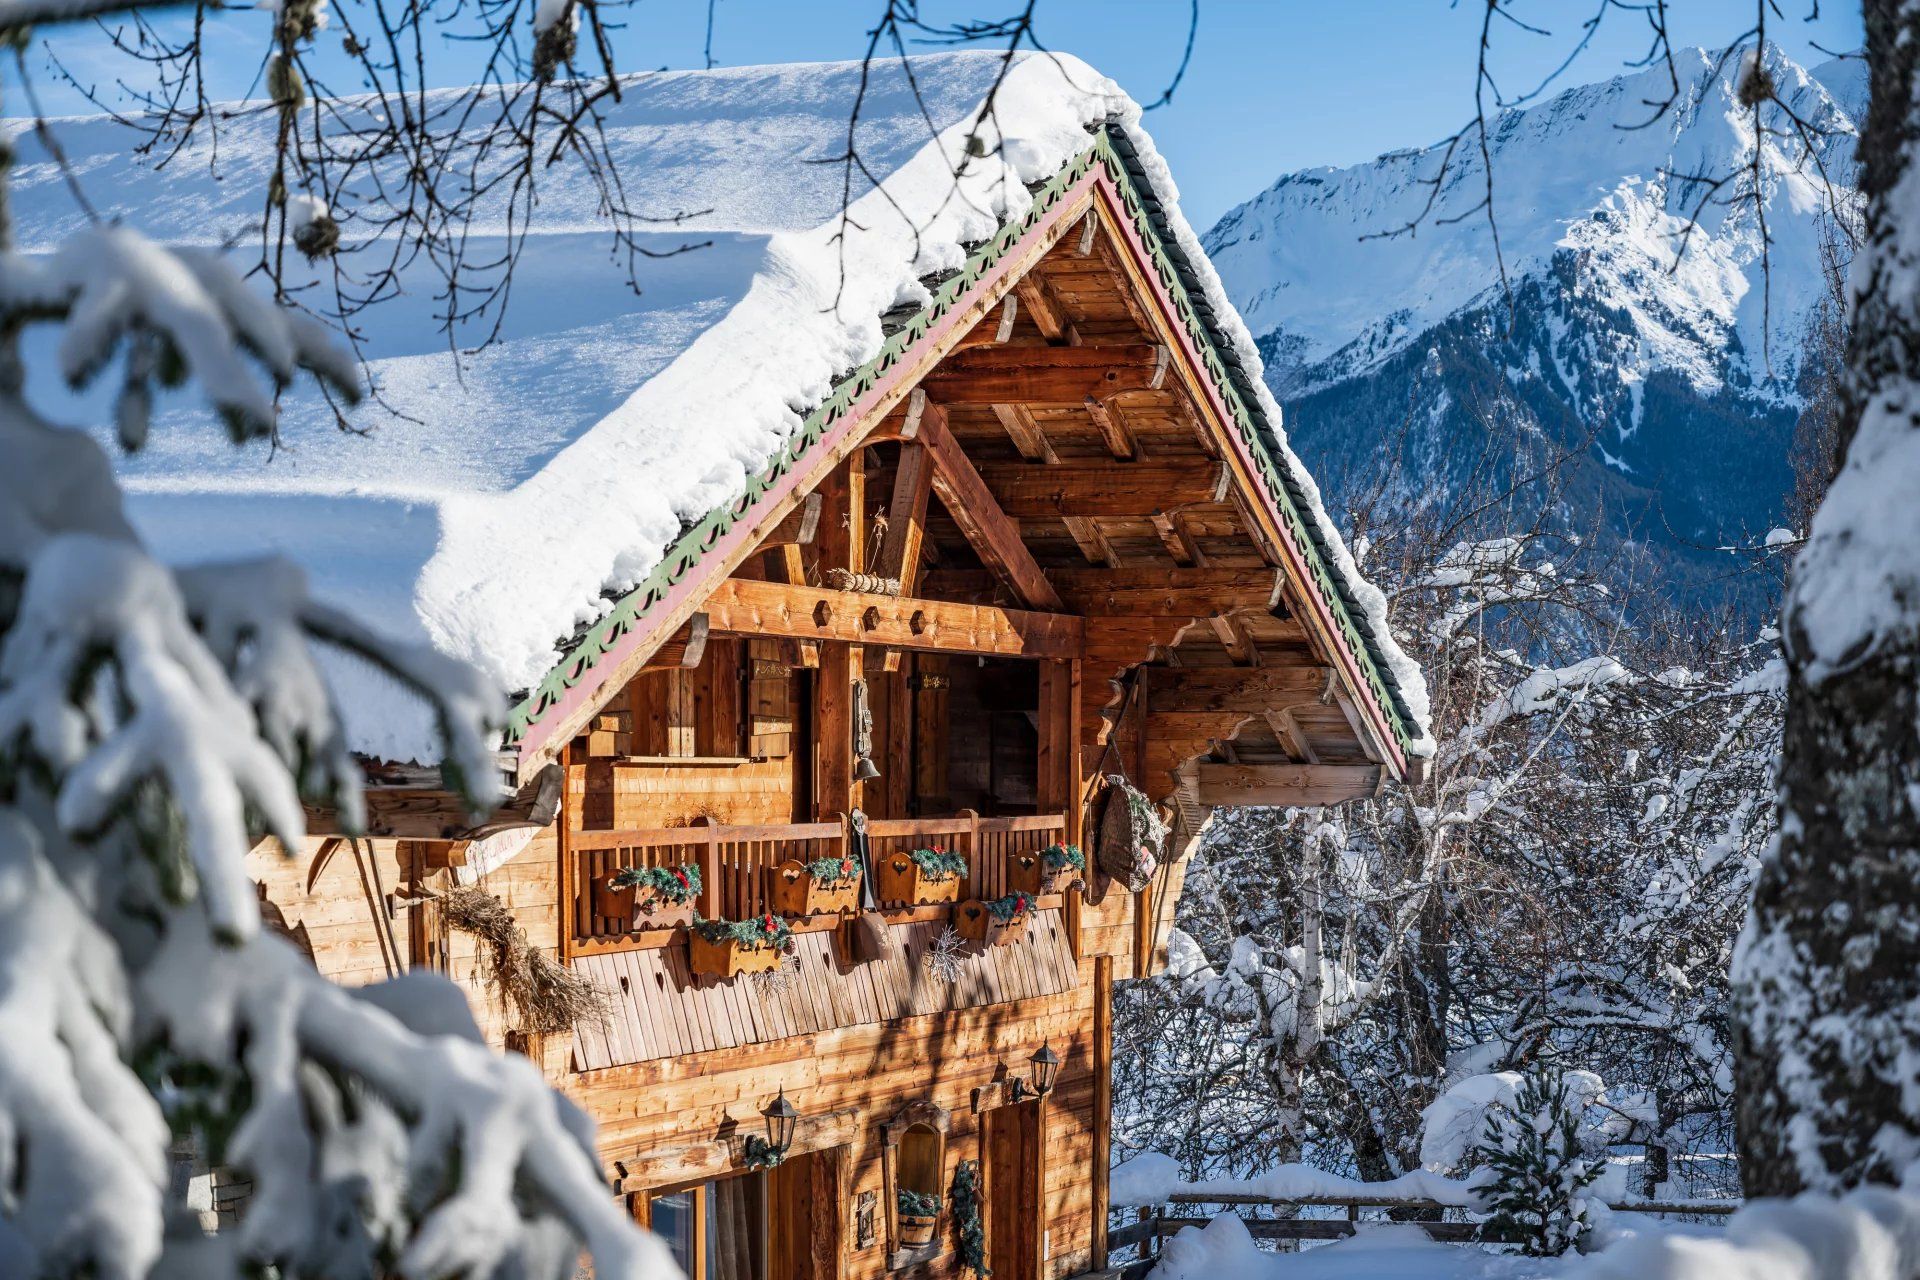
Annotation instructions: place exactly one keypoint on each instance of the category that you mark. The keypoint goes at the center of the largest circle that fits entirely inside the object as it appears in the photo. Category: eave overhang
(1108, 172)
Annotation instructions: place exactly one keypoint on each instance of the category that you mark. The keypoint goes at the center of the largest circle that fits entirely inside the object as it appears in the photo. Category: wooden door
(1015, 1207)
(805, 1217)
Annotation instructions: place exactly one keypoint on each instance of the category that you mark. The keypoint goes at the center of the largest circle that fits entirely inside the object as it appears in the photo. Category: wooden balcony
(735, 862)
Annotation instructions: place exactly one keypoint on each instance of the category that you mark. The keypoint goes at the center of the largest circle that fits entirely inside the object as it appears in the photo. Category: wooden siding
(660, 1009)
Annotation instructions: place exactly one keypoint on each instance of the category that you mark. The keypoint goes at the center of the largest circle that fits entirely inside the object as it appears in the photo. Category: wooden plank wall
(666, 1121)
(662, 1010)
(344, 924)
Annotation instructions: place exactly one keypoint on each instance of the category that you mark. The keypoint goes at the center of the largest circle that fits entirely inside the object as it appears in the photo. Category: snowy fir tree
(1535, 1169)
(154, 723)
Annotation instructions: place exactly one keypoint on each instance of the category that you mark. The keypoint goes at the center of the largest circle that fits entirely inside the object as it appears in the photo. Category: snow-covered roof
(522, 489)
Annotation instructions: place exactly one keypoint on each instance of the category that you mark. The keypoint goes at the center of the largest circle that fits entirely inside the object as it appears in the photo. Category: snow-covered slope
(1673, 378)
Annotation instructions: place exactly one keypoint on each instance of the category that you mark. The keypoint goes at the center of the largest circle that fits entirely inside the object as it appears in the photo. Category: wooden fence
(1155, 1223)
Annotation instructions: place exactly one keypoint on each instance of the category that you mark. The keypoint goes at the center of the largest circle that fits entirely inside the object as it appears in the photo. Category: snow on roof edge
(1364, 602)
(1363, 605)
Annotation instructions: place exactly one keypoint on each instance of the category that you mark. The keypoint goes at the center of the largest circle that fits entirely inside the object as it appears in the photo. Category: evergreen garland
(831, 873)
(966, 1218)
(675, 885)
(1008, 909)
(761, 931)
(1061, 856)
(1539, 1170)
(919, 1204)
(936, 864)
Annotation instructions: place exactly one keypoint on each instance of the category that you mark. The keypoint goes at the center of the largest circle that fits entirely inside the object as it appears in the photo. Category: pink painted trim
(1118, 217)
(859, 418)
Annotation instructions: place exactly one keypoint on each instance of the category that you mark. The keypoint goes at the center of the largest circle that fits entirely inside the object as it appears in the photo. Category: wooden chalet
(1049, 533)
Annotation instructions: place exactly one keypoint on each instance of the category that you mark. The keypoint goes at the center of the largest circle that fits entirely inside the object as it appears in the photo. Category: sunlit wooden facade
(1040, 541)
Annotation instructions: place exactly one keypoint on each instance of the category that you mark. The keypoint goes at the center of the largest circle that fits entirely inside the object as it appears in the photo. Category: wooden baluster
(969, 833)
(710, 875)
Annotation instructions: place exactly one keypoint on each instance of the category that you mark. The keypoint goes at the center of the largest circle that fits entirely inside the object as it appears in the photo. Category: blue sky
(1273, 86)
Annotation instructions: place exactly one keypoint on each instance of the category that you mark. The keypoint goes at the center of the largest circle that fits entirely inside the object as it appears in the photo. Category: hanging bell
(863, 769)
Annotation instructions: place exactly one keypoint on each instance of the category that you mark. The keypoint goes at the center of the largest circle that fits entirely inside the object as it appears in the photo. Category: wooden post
(843, 545)
(835, 790)
(1102, 1103)
(710, 903)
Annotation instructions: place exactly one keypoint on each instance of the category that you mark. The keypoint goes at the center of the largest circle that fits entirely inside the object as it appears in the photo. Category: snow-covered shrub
(1533, 1168)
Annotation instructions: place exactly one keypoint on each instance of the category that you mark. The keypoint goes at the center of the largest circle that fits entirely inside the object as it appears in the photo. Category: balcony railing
(734, 860)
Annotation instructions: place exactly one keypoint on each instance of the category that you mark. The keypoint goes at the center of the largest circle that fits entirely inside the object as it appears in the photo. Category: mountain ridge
(1669, 380)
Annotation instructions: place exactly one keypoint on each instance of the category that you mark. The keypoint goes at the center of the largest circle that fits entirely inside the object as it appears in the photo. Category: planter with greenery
(919, 1214)
(723, 948)
(923, 876)
(650, 897)
(1052, 870)
(815, 888)
(994, 922)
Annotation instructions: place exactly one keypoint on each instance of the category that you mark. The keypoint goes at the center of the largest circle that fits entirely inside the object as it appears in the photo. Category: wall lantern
(1039, 1083)
(782, 1119)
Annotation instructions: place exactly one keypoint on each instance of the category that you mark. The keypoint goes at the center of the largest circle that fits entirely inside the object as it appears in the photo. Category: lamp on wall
(782, 1119)
(1039, 1082)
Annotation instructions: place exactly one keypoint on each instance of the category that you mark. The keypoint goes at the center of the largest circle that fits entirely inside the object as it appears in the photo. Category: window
(716, 1230)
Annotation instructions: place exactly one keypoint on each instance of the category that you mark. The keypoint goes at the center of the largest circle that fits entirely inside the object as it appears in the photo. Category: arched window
(914, 1156)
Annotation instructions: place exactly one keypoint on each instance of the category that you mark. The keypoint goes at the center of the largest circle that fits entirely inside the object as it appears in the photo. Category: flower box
(919, 1216)
(648, 897)
(993, 923)
(921, 877)
(820, 887)
(1052, 870)
(725, 948)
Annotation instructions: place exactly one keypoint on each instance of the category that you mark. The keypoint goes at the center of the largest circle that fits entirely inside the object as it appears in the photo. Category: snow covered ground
(1225, 1251)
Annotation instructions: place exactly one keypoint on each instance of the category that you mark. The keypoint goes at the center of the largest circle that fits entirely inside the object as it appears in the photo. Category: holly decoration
(1010, 908)
(674, 885)
(755, 933)
(833, 872)
(937, 865)
(1061, 856)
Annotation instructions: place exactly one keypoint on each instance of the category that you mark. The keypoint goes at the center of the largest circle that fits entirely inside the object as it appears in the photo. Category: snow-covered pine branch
(153, 724)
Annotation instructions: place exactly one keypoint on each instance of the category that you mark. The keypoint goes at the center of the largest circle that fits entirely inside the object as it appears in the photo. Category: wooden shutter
(769, 701)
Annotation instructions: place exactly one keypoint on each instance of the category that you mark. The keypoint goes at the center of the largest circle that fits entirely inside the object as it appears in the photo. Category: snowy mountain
(1669, 380)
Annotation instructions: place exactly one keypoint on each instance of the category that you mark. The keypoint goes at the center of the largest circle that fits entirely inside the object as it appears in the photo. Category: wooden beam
(800, 525)
(1108, 421)
(1042, 307)
(1102, 1104)
(1168, 591)
(906, 517)
(434, 813)
(1092, 542)
(1045, 375)
(1253, 690)
(1280, 785)
(1234, 639)
(1176, 538)
(994, 329)
(1120, 490)
(993, 535)
(683, 649)
(1286, 727)
(773, 609)
(1025, 433)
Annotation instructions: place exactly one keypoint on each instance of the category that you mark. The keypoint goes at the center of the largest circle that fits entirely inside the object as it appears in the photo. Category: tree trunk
(1828, 973)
